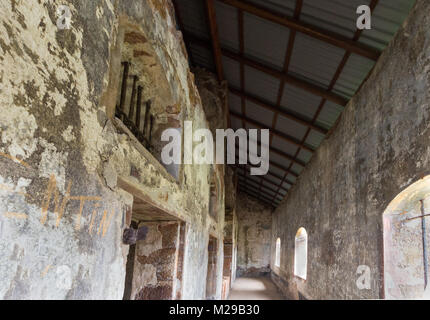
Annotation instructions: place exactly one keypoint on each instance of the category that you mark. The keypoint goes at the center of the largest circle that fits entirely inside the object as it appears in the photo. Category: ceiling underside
(291, 66)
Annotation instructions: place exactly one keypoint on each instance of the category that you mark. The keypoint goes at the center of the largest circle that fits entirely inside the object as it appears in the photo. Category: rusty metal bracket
(131, 236)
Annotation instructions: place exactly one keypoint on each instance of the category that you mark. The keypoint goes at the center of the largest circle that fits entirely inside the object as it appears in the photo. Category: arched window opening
(301, 254)
(144, 102)
(278, 253)
(406, 243)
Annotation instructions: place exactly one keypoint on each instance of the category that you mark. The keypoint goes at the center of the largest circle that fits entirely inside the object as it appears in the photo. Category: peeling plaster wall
(254, 235)
(379, 147)
(61, 239)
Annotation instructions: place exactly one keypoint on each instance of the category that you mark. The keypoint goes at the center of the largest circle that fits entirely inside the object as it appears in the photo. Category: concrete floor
(254, 289)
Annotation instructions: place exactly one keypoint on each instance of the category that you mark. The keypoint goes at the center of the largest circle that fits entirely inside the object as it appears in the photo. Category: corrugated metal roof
(314, 139)
(285, 146)
(300, 102)
(234, 103)
(312, 60)
(315, 60)
(257, 42)
(231, 71)
(353, 74)
(285, 7)
(304, 155)
(261, 84)
(259, 114)
(193, 15)
(202, 56)
(290, 127)
(279, 160)
(387, 17)
(226, 17)
(329, 114)
(334, 15)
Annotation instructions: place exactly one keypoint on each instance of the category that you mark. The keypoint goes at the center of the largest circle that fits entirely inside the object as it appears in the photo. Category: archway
(406, 242)
(278, 253)
(301, 253)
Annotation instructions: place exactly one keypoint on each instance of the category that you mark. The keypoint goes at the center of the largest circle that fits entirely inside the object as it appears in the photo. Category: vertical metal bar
(147, 114)
(423, 227)
(133, 95)
(123, 88)
(138, 107)
(151, 123)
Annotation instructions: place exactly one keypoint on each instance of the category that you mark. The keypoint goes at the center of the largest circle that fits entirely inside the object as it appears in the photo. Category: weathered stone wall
(254, 236)
(230, 232)
(379, 147)
(64, 160)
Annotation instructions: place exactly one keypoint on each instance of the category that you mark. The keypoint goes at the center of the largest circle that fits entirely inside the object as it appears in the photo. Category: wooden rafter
(276, 109)
(275, 132)
(268, 181)
(332, 83)
(216, 49)
(254, 195)
(292, 80)
(283, 155)
(287, 59)
(275, 165)
(239, 166)
(308, 29)
(181, 27)
(255, 189)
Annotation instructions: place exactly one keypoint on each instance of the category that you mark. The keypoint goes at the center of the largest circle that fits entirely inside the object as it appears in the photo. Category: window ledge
(143, 151)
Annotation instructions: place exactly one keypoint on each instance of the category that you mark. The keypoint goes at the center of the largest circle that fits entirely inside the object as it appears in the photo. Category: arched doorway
(406, 242)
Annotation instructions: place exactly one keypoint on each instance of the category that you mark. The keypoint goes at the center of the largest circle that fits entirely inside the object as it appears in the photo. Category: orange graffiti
(14, 159)
(52, 196)
(45, 271)
(17, 215)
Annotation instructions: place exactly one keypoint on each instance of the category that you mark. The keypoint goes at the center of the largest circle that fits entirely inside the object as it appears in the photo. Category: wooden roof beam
(240, 166)
(292, 80)
(308, 29)
(263, 199)
(255, 189)
(216, 48)
(273, 108)
(268, 181)
(274, 132)
(274, 164)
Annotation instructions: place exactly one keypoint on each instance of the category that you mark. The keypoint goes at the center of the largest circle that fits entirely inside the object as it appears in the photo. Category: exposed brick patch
(155, 293)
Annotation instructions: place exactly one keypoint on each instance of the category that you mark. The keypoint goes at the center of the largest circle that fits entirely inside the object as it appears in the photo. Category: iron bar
(126, 65)
(138, 107)
(133, 95)
(423, 227)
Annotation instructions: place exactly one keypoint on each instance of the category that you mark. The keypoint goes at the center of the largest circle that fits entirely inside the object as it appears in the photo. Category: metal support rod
(147, 114)
(425, 215)
(138, 107)
(133, 95)
(151, 123)
(123, 88)
(423, 227)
